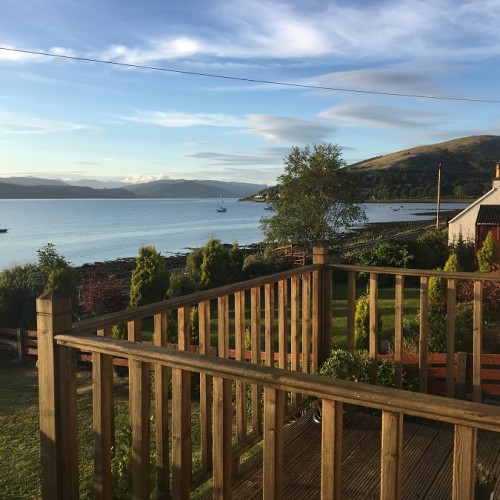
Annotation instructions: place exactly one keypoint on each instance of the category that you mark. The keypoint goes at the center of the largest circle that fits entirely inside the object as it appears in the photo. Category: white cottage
(465, 222)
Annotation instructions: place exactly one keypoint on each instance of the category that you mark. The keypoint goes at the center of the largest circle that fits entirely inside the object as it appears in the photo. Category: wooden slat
(331, 450)
(464, 462)
(351, 309)
(223, 326)
(241, 395)
(477, 347)
(306, 322)
(269, 322)
(205, 388)
(450, 335)
(391, 475)
(222, 458)
(274, 401)
(103, 419)
(316, 320)
(294, 330)
(282, 323)
(373, 336)
(398, 329)
(256, 350)
(423, 343)
(139, 402)
(181, 417)
(161, 410)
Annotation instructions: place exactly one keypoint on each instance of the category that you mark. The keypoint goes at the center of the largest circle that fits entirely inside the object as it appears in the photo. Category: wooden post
(274, 403)
(161, 411)
(331, 450)
(351, 309)
(464, 462)
(140, 400)
(322, 298)
(103, 416)
(391, 477)
(398, 329)
(255, 325)
(57, 399)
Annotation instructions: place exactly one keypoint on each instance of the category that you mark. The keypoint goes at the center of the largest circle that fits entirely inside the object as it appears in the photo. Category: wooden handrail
(427, 406)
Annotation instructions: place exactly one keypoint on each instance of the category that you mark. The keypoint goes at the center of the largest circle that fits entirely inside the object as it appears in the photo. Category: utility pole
(438, 196)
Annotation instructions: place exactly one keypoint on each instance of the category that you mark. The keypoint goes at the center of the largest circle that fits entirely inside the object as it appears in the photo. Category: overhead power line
(250, 80)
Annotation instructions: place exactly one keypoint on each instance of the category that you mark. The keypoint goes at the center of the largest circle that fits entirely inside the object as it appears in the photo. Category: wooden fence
(287, 317)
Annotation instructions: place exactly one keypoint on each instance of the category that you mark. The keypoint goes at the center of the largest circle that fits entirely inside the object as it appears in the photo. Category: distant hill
(181, 188)
(15, 191)
(467, 169)
(33, 187)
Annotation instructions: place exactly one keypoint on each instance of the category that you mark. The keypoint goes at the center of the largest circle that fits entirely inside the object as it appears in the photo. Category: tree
(487, 254)
(150, 276)
(317, 197)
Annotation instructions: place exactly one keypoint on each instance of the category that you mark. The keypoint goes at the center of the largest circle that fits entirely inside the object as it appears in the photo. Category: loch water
(86, 231)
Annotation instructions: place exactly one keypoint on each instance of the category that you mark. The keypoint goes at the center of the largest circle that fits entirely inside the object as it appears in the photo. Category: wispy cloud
(383, 116)
(287, 130)
(23, 125)
(178, 119)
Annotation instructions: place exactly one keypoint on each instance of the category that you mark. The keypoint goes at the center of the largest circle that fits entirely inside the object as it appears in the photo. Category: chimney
(496, 180)
(497, 171)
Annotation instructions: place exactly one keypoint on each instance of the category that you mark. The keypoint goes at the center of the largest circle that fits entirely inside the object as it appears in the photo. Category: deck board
(427, 460)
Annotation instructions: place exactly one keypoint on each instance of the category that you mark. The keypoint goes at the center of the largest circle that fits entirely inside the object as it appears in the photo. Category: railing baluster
(103, 418)
(256, 350)
(351, 309)
(269, 323)
(241, 396)
(477, 344)
(391, 475)
(294, 330)
(282, 323)
(206, 433)
(464, 462)
(223, 420)
(274, 402)
(306, 322)
(451, 296)
(139, 401)
(398, 329)
(331, 449)
(181, 416)
(423, 342)
(373, 336)
(161, 410)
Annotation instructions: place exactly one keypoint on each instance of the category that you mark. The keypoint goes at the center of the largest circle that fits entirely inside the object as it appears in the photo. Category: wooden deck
(427, 460)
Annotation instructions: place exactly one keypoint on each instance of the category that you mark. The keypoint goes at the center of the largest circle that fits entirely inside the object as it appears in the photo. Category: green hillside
(468, 167)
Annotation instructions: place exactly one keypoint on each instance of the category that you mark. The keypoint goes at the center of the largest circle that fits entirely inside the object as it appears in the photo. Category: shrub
(181, 284)
(436, 247)
(487, 255)
(264, 263)
(100, 295)
(149, 278)
(362, 322)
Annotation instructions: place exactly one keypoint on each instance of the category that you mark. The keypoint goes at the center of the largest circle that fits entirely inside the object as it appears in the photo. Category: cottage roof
(488, 215)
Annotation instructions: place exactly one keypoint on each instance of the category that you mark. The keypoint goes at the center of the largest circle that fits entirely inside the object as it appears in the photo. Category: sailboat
(221, 207)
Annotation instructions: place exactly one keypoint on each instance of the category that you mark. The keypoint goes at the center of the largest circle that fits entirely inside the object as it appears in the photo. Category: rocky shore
(359, 238)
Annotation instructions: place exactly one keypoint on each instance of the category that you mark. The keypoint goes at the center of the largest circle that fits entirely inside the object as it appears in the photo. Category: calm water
(86, 231)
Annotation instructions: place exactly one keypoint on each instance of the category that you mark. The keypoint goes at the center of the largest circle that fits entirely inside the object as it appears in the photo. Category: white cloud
(178, 119)
(141, 178)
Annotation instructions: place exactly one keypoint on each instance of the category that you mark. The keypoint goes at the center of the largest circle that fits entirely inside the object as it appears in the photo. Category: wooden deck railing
(286, 316)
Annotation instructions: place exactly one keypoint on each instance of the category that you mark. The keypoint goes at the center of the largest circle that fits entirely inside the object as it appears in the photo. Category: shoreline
(358, 238)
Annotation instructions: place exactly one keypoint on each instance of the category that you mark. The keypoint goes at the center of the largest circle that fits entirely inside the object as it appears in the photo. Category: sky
(218, 89)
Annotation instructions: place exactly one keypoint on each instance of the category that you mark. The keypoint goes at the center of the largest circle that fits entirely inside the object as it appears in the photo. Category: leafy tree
(438, 286)
(317, 197)
(21, 285)
(150, 277)
(487, 254)
(181, 284)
